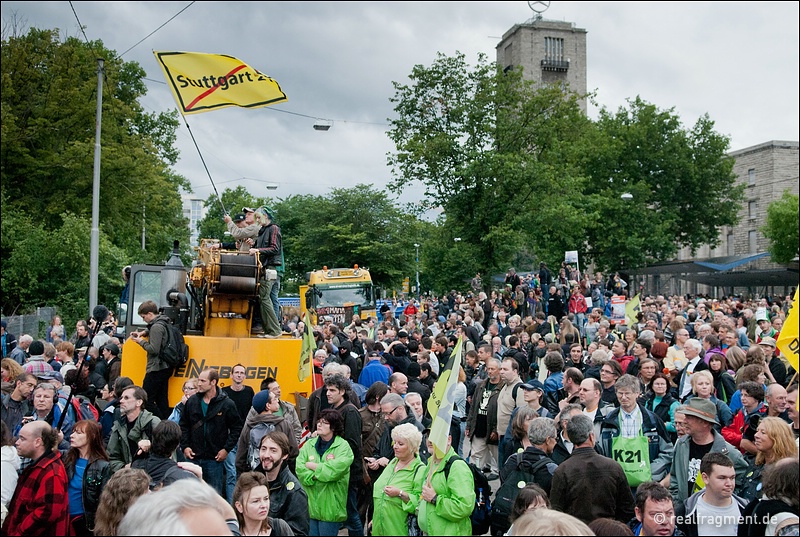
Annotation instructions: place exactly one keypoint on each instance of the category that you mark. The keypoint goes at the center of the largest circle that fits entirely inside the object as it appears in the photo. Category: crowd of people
(683, 422)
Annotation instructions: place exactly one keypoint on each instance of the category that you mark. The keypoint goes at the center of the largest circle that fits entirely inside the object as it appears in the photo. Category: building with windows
(740, 263)
(194, 210)
(555, 52)
(550, 52)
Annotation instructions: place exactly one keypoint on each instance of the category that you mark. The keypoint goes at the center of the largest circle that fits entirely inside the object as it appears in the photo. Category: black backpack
(523, 474)
(482, 511)
(175, 351)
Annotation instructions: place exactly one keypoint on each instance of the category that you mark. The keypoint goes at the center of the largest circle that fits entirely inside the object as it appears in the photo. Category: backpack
(481, 517)
(523, 474)
(175, 351)
(254, 442)
(82, 409)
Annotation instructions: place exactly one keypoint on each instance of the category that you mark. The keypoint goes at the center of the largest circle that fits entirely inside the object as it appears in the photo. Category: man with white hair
(692, 350)
(20, 352)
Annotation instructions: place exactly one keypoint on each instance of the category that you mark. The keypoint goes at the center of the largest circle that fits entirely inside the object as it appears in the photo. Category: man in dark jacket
(587, 474)
(157, 372)
(269, 247)
(210, 428)
(482, 420)
(337, 387)
(287, 498)
(415, 385)
(159, 465)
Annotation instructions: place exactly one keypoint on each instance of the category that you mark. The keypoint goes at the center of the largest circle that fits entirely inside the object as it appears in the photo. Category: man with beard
(287, 498)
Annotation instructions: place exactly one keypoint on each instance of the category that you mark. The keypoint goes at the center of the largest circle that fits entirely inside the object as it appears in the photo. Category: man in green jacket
(134, 428)
(685, 477)
(447, 500)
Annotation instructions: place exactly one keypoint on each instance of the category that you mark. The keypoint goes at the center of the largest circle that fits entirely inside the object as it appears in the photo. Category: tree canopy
(517, 169)
(781, 228)
(49, 90)
(359, 225)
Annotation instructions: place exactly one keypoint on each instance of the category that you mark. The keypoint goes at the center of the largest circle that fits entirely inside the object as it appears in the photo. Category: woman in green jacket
(447, 498)
(396, 492)
(323, 468)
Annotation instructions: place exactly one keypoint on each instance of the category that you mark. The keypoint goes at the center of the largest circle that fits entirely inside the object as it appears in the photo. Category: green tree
(681, 180)
(48, 267)
(358, 225)
(492, 150)
(781, 229)
(47, 140)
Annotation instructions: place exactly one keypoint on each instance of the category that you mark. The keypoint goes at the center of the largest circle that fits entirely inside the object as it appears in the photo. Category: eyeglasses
(388, 414)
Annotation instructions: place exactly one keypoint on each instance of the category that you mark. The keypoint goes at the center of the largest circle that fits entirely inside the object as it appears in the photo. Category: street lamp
(416, 246)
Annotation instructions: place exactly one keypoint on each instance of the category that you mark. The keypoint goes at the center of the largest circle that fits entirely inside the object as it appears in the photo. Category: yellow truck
(338, 293)
(213, 305)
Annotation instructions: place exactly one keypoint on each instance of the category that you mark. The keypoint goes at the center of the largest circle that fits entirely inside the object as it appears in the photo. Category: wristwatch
(433, 500)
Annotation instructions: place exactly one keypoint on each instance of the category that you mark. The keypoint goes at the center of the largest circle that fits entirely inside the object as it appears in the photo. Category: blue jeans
(213, 474)
(545, 297)
(230, 474)
(353, 522)
(320, 527)
(580, 320)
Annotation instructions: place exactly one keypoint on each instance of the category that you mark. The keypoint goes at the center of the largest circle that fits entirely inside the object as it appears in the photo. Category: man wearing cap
(262, 418)
(37, 364)
(269, 247)
(701, 438)
(244, 228)
(774, 363)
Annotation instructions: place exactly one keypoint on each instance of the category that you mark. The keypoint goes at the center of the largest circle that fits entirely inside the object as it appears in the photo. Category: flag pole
(224, 211)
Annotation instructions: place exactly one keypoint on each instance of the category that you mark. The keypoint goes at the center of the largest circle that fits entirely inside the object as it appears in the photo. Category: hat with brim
(248, 210)
(701, 408)
(768, 341)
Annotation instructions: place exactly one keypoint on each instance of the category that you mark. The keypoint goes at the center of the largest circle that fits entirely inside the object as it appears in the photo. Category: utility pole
(94, 258)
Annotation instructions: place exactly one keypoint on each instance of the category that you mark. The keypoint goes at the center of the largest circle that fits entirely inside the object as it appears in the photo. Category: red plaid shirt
(40, 505)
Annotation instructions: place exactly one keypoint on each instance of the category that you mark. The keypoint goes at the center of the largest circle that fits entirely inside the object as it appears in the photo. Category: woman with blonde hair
(774, 441)
(397, 490)
(251, 502)
(549, 522)
(121, 491)
(703, 387)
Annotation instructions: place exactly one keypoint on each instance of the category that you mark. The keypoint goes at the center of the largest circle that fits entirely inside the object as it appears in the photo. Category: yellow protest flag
(307, 350)
(203, 82)
(440, 404)
(631, 309)
(788, 341)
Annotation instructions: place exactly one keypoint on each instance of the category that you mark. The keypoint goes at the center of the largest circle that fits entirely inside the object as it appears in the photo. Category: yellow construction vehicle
(338, 293)
(213, 305)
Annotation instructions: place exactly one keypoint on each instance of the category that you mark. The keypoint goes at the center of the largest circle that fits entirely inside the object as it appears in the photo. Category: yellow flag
(440, 404)
(204, 82)
(788, 341)
(307, 351)
(631, 309)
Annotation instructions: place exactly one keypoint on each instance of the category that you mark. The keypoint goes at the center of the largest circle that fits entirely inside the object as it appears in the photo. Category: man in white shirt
(714, 510)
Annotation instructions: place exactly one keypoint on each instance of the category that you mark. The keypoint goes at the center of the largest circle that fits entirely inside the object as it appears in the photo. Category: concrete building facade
(550, 52)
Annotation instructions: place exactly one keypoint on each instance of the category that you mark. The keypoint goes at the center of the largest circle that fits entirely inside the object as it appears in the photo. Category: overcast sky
(738, 62)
